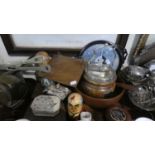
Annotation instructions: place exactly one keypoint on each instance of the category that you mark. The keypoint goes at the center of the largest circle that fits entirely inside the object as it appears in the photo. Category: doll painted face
(75, 104)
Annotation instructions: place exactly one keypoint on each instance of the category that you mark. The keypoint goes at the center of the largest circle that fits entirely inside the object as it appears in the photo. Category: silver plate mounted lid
(101, 74)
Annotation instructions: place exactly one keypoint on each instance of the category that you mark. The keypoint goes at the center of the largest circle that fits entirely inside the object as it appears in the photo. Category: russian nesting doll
(75, 105)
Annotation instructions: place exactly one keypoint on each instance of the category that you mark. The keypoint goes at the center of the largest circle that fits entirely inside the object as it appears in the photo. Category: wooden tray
(66, 70)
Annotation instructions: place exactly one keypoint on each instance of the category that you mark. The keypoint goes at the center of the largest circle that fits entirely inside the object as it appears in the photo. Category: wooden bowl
(101, 103)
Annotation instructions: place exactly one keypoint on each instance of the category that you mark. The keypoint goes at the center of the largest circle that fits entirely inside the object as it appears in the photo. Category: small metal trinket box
(45, 105)
(57, 90)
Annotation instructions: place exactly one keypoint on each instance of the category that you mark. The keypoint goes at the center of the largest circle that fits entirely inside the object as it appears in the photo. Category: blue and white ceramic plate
(101, 54)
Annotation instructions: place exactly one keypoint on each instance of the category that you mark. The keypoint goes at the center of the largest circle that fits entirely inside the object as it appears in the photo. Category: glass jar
(98, 80)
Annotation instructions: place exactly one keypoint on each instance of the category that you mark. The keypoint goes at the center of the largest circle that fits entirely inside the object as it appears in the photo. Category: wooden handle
(125, 86)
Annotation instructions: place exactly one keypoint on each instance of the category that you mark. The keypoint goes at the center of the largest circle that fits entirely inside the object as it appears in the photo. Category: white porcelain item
(22, 119)
(143, 119)
(85, 116)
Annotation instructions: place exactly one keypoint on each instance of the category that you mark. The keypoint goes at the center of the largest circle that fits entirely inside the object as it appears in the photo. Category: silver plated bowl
(135, 74)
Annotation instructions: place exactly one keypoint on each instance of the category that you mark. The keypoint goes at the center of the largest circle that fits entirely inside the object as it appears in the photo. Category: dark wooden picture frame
(16, 51)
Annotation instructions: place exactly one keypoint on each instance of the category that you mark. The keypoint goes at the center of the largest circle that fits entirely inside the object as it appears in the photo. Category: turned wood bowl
(101, 103)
